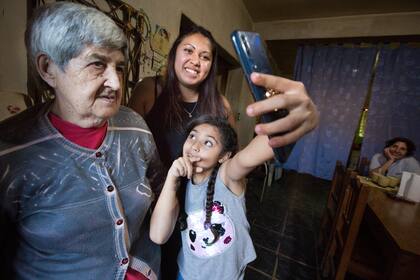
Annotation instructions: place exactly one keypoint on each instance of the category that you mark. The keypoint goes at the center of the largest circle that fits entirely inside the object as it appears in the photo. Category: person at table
(396, 157)
(78, 173)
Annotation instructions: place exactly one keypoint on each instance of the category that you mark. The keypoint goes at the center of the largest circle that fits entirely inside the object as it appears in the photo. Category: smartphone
(252, 55)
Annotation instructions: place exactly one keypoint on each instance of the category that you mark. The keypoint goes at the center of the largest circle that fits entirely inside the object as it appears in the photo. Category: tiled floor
(285, 225)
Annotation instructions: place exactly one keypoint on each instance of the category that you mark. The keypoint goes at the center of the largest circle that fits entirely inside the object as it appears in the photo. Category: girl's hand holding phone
(286, 111)
(303, 115)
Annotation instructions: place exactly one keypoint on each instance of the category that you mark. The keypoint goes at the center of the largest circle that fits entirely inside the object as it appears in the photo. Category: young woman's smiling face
(204, 142)
(193, 60)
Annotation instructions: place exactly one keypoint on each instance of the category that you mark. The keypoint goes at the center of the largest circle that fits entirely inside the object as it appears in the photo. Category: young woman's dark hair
(209, 99)
(411, 148)
(229, 142)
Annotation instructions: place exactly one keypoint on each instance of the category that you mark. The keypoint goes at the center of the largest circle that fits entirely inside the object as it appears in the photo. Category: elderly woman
(77, 173)
(396, 158)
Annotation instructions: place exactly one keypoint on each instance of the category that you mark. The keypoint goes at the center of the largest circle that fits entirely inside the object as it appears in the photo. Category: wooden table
(396, 225)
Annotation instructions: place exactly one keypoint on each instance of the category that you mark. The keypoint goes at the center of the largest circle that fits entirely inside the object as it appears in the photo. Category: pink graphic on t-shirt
(201, 240)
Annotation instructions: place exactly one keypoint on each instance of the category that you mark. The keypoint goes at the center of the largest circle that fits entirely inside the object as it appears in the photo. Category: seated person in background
(396, 158)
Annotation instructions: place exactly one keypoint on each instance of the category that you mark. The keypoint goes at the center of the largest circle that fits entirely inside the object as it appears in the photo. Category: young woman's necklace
(192, 111)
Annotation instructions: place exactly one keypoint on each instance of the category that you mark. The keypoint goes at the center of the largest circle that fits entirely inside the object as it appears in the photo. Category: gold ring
(271, 92)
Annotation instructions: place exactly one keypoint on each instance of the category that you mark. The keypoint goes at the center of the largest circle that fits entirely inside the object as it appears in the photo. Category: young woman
(188, 90)
(215, 241)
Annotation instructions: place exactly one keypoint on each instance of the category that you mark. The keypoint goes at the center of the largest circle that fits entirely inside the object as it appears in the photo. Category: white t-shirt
(409, 164)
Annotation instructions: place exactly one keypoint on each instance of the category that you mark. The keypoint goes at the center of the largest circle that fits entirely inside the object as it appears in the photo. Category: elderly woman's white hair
(61, 30)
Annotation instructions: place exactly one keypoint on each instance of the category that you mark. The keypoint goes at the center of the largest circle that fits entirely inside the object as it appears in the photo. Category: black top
(169, 141)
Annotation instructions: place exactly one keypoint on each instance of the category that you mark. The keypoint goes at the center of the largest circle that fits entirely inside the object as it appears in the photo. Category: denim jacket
(68, 212)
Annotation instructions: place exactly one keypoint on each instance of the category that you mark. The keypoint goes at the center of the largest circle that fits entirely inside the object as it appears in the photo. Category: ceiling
(284, 52)
(272, 10)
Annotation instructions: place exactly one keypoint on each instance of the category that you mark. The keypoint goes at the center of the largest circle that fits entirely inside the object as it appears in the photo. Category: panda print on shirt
(201, 241)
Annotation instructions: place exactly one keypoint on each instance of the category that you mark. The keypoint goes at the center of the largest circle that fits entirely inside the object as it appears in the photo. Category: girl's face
(193, 60)
(204, 142)
(398, 150)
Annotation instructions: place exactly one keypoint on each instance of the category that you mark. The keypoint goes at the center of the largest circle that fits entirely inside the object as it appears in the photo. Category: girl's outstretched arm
(166, 210)
(257, 152)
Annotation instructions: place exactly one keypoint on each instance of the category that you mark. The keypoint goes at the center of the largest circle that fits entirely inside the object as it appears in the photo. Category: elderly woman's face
(398, 149)
(88, 91)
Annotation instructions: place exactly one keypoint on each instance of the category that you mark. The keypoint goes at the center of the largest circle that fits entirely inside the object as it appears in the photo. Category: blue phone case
(253, 58)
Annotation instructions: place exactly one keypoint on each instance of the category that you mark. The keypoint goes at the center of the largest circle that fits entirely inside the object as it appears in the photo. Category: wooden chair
(338, 255)
(363, 166)
(329, 217)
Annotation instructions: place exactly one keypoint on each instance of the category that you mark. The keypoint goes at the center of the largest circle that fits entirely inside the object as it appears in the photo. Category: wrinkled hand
(183, 167)
(303, 115)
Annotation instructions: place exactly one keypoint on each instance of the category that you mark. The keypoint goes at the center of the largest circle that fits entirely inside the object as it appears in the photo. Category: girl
(215, 239)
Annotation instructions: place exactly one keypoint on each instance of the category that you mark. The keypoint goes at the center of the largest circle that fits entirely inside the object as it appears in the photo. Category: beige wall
(12, 49)
(221, 17)
(342, 27)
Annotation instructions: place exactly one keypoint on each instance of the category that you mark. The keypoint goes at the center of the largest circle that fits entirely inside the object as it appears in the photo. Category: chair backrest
(363, 166)
(334, 199)
(337, 185)
(11, 103)
(349, 217)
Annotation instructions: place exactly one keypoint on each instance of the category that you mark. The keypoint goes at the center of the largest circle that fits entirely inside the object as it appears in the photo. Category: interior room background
(343, 80)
